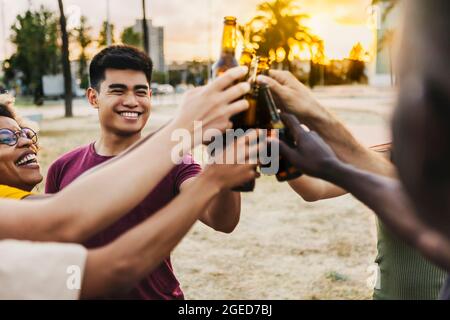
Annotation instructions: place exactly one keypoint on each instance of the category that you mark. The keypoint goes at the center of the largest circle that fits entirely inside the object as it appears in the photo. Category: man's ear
(92, 96)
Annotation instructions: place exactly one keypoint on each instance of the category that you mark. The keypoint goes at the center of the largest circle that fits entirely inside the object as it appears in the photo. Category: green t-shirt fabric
(404, 273)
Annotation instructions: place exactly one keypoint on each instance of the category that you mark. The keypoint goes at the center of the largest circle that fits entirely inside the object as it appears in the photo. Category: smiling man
(120, 89)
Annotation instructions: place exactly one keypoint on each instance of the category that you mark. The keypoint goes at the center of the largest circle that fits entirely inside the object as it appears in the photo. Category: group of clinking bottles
(263, 112)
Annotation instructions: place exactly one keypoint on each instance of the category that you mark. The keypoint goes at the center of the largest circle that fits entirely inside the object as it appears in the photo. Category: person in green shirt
(403, 273)
(416, 208)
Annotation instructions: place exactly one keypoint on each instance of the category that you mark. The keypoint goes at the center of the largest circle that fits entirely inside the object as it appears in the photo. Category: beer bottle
(264, 118)
(227, 58)
(286, 170)
(226, 61)
(254, 116)
(247, 119)
(263, 65)
(257, 115)
(246, 57)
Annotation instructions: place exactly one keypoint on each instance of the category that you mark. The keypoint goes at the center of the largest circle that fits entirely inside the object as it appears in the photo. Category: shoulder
(188, 163)
(70, 157)
(74, 154)
(187, 169)
(67, 167)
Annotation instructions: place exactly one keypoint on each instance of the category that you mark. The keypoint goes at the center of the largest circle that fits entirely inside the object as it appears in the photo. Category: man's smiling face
(123, 101)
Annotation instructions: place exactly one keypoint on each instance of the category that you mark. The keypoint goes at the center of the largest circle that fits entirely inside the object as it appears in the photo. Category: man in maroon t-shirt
(120, 79)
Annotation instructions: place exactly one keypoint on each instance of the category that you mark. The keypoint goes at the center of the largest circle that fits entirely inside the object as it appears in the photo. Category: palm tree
(130, 37)
(84, 40)
(277, 27)
(65, 62)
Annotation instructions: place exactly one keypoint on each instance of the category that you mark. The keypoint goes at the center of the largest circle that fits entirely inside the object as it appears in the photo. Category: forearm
(119, 192)
(314, 189)
(139, 251)
(385, 196)
(224, 211)
(343, 143)
(96, 200)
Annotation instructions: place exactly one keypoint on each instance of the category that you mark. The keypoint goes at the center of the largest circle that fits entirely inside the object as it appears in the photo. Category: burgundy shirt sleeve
(52, 181)
(187, 169)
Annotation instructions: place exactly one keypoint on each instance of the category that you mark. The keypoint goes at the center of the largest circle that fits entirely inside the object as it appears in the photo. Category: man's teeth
(129, 114)
(26, 159)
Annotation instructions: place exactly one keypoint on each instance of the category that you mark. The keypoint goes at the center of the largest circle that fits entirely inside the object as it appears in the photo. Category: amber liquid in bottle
(226, 61)
(227, 58)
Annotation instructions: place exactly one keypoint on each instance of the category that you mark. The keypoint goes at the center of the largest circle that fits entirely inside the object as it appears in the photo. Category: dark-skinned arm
(385, 196)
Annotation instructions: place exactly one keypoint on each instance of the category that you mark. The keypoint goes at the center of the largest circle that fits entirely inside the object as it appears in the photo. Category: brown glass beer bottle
(286, 170)
(227, 58)
(226, 61)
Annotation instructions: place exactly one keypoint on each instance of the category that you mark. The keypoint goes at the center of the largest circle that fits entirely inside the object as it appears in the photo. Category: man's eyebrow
(117, 86)
(141, 86)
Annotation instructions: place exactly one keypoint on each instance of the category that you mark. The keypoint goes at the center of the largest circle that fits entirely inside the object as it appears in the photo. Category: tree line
(38, 38)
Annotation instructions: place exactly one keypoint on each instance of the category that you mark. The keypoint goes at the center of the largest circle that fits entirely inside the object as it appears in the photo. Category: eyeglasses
(3, 91)
(11, 138)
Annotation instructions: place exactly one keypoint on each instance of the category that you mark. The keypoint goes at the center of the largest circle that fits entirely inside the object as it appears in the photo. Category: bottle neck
(229, 38)
(263, 66)
(246, 59)
(271, 106)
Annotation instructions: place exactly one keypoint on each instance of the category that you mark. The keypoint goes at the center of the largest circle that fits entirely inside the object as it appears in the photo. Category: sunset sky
(189, 24)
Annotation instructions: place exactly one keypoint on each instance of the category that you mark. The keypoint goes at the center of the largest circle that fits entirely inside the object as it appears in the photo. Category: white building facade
(156, 43)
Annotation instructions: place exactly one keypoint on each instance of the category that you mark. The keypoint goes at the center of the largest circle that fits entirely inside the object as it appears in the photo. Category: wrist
(316, 118)
(335, 171)
(210, 182)
(179, 123)
(182, 136)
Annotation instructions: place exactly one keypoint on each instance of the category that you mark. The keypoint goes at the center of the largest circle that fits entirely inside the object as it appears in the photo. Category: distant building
(156, 43)
(382, 70)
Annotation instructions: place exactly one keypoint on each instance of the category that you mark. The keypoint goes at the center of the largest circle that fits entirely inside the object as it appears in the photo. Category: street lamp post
(145, 29)
(108, 26)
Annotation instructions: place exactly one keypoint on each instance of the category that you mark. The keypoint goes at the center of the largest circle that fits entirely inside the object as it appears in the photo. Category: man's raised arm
(298, 100)
(385, 196)
(96, 200)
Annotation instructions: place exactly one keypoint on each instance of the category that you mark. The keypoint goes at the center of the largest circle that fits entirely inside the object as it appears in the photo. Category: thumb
(294, 126)
(286, 151)
(274, 85)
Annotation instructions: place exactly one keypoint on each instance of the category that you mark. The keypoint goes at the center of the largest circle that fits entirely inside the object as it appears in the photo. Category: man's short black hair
(120, 57)
(6, 112)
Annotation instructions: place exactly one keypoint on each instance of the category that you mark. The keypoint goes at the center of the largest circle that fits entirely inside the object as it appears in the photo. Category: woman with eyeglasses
(19, 167)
